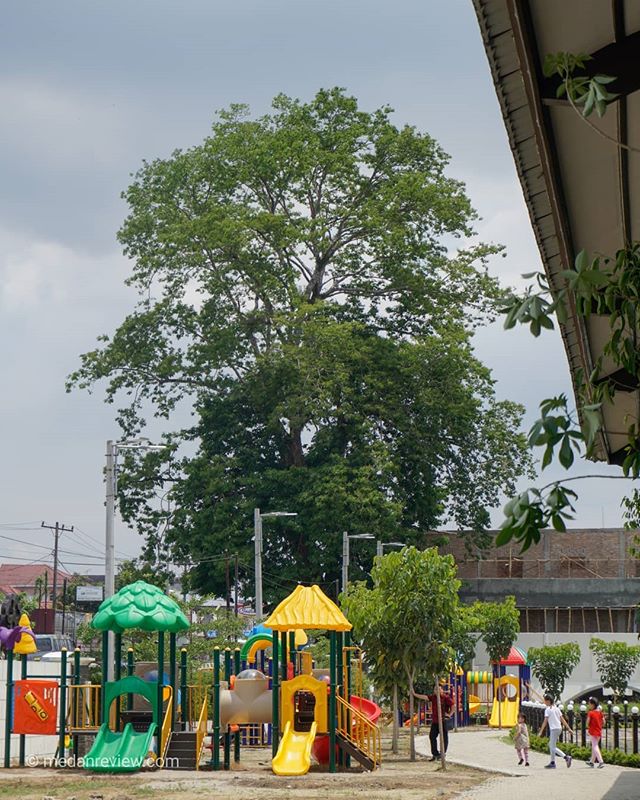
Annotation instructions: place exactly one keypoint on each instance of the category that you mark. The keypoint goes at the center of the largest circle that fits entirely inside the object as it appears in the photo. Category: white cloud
(35, 273)
(61, 127)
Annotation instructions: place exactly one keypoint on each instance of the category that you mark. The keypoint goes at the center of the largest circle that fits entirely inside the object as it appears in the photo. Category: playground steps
(352, 750)
(181, 752)
(140, 720)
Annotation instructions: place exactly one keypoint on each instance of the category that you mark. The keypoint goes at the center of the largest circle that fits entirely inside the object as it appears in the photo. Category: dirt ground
(252, 779)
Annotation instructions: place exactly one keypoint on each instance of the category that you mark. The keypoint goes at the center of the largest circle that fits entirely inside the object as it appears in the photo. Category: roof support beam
(620, 59)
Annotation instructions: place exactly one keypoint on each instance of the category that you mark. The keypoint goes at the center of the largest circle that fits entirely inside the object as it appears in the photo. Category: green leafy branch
(585, 94)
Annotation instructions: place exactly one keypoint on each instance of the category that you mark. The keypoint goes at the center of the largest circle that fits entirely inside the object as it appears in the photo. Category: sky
(89, 90)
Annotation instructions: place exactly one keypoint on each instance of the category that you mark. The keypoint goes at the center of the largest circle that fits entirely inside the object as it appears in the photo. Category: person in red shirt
(595, 721)
(446, 703)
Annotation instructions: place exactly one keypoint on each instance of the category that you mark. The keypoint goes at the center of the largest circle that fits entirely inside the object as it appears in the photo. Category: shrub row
(618, 757)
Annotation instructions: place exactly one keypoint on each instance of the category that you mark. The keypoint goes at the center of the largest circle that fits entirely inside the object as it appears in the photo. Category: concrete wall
(585, 675)
(550, 592)
(34, 745)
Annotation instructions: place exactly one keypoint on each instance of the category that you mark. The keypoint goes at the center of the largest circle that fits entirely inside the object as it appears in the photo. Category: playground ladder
(358, 736)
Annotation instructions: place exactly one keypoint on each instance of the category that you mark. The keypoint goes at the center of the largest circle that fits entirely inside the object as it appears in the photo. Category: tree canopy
(553, 664)
(301, 295)
(616, 663)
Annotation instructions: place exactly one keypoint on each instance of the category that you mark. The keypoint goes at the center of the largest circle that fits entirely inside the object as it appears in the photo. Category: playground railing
(201, 730)
(165, 733)
(358, 729)
(196, 695)
(84, 711)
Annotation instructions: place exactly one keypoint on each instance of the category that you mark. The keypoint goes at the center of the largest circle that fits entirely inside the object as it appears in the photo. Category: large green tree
(301, 294)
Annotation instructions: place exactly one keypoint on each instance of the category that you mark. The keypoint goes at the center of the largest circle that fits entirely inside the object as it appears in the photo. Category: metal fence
(620, 731)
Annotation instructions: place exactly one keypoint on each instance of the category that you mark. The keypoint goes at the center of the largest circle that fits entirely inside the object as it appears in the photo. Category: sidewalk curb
(490, 770)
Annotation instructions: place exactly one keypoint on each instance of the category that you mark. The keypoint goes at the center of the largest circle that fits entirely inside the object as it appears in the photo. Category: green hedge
(618, 757)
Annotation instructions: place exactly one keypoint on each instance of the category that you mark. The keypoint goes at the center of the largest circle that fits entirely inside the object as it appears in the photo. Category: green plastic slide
(119, 752)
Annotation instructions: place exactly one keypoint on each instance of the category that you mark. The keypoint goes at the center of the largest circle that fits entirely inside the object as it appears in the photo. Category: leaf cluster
(616, 663)
(589, 92)
(553, 664)
(607, 287)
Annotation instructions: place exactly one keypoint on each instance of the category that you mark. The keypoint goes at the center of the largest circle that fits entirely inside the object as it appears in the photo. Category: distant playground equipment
(508, 689)
(153, 716)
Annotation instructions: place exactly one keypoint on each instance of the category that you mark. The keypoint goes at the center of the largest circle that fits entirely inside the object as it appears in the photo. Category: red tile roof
(19, 575)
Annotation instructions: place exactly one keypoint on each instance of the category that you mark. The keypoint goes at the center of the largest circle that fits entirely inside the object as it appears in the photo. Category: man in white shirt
(556, 722)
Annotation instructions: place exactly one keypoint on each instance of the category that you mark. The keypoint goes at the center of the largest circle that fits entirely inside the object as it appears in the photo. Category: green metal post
(173, 678)
(160, 691)
(63, 704)
(236, 738)
(292, 650)
(332, 701)
(8, 710)
(74, 699)
(227, 750)
(105, 672)
(339, 681)
(130, 671)
(275, 696)
(347, 643)
(117, 673)
(215, 744)
(23, 738)
(184, 704)
(283, 646)
(227, 735)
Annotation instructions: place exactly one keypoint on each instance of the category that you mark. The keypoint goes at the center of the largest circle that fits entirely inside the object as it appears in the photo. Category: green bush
(617, 757)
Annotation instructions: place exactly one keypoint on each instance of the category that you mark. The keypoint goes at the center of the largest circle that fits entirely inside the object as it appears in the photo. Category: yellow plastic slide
(294, 754)
(507, 717)
(508, 713)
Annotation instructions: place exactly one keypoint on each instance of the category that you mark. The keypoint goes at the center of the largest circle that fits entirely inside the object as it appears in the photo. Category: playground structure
(153, 717)
(508, 690)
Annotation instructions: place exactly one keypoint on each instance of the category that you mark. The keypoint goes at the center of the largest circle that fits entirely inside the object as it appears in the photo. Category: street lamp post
(345, 554)
(381, 545)
(258, 516)
(111, 477)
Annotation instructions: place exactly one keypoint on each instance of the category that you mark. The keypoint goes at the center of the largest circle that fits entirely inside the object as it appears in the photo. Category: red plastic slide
(320, 747)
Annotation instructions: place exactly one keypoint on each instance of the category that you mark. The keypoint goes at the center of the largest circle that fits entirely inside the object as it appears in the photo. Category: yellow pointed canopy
(308, 607)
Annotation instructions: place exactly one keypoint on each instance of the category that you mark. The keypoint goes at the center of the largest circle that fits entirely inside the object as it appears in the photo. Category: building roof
(517, 657)
(308, 607)
(21, 575)
(582, 191)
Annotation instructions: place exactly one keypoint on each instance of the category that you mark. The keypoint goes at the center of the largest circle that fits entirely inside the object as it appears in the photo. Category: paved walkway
(485, 750)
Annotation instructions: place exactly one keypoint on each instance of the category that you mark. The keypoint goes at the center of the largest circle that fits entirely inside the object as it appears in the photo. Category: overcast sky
(87, 90)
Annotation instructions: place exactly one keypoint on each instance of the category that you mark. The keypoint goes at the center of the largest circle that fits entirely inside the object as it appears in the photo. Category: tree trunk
(412, 729)
(498, 698)
(396, 726)
(443, 755)
(295, 456)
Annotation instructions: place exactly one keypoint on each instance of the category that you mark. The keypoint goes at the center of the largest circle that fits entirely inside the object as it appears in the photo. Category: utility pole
(235, 598)
(257, 540)
(227, 591)
(57, 529)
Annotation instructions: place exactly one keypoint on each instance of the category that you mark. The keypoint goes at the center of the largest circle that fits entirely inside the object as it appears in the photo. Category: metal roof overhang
(582, 191)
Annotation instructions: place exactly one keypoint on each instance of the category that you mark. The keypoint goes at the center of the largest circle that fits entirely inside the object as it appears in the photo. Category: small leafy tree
(553, 664)
(365, 609)
(138, 569)
(499, 628)
(416, 604)
(616, 662)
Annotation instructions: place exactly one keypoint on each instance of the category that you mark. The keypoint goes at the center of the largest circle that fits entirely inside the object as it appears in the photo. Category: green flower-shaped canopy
(140, 605)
